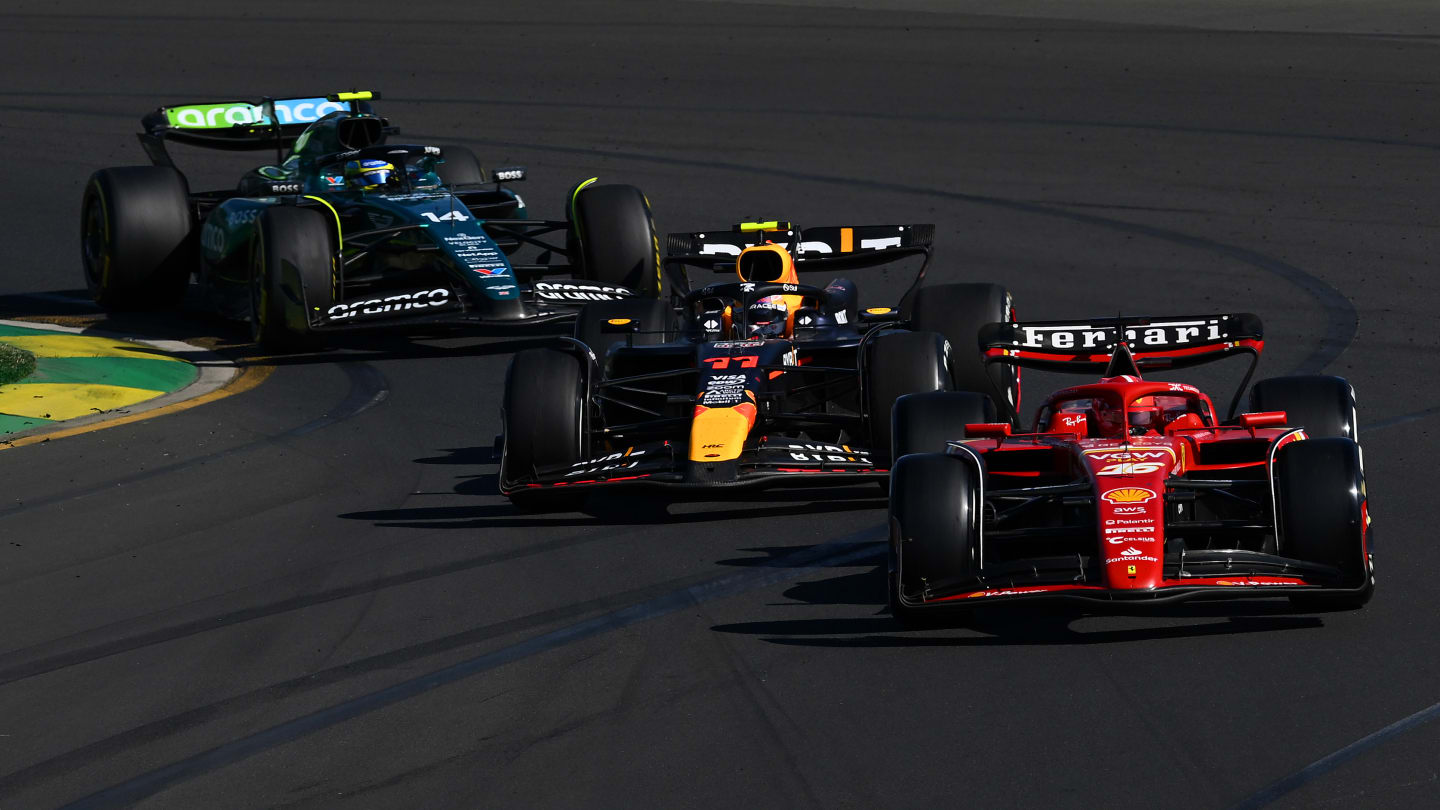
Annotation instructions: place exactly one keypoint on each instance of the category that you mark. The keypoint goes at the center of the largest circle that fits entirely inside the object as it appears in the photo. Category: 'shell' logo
(1128, 495)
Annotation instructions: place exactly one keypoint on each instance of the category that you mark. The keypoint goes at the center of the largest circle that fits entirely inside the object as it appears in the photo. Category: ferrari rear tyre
(900, 363)
(957, 311)
(1324, 406)
(460, 167)
(923, 423)
(934, 529)
(291, 275)
(652, 318)
(617, 243)
(1321, 515)
(137, 237)
(543, 417)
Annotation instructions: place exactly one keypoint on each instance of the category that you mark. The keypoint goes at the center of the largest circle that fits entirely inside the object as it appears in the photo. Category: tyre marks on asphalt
(368, 388)
(857, 546)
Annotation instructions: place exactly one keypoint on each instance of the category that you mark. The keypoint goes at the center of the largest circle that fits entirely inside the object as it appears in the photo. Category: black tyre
(923, 423)
(543, 420)
(1324, 406)
(137, 237)
(934, 529)
(1320, 504)
(957, 311)
(654, 317)
(900, 363)
(616, 238)
(291, 275)
(460, 167)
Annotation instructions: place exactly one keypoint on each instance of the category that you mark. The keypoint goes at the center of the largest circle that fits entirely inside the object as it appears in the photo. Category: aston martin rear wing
(1116, 346)
(270, 123)
(824, 248)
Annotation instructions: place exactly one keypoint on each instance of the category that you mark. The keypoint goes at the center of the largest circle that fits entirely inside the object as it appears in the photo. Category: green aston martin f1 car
(346, 231)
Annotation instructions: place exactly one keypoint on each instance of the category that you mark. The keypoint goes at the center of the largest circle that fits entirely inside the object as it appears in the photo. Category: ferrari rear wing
(1116, 346)
(823, 248)
(269, 123)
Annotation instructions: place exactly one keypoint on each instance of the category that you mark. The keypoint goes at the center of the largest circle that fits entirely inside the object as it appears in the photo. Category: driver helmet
(768, 317)
(1109, 419)
(370, 174)
(1145, 416)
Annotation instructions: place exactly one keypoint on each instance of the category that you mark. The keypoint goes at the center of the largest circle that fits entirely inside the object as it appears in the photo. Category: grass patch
(15, 364)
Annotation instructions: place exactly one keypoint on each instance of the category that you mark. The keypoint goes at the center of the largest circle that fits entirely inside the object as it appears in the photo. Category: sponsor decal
(736, 344)
(1131, 530)
(502, 175)
(723, 391)
(1071, 420)
(1007, 592)
(1247, 582)
(453, 216)
(333, 179)
(245, 217)
(1132, 454)
(1130, 558)
(421, 299)
(212, 238)
(1128, 495)
(219, 116)
(567, 291)
(1132, 468)
(1129, 510)
(1081, 336)
(284, 188)
(1129, 522)
(623, 460)
(828, 452)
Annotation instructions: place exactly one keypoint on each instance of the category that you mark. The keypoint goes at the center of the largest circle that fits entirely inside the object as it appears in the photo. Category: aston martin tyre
(136, 237)
(924, 423)
(543, 420)
(617, 240)
(460, 167)
(957, 311)
(291, 276)
(934, 527)
(1322, 515)
(640, 321)
(901, 363)
(1324, 406)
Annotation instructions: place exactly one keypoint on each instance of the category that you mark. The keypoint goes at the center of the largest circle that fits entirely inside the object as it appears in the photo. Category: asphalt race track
(310, 595)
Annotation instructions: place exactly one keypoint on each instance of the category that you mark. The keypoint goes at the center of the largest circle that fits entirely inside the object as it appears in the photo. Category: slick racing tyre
(957, 311)
(1324, 406)
(614, 236)
(1321, 515)
(923, 423)
(934, 529)
(900, 363)
(460, 167)
(137, 240)
(543, 420)
(290, 276)
(651, 317)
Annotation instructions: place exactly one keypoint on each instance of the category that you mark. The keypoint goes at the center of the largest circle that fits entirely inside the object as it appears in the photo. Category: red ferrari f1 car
(1128, 490)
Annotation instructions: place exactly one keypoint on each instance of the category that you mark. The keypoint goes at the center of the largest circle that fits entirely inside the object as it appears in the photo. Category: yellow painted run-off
(104, 381)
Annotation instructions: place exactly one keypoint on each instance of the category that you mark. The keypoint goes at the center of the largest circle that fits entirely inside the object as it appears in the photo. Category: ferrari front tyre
(1324, 406)
(291, 277)
(543, 419)
(923, 423)
(934, 529)
(1321, 516)
(957, 311)
(137, 237)
(459, 167)
(900, 363)
(617, 243)
(651, 322)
